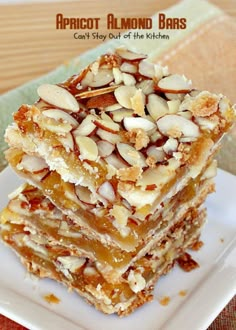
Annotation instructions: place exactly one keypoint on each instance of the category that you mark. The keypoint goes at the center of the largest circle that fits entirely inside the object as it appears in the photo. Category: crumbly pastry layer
(120, 157)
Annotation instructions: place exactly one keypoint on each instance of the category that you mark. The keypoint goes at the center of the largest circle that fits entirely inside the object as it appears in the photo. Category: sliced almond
(32, 164)
(131, 155)
(106, 190)
(58, 96)
(175, 96)
(72, 263)
(119, 115)
(146, 68)
(118, 76)
(108, 136)
(98, 79)
(67, 141)
(136, 281)
(206, 124)
(116, 162)
(86, 127)
(174, 83)
(177, 126)
(107, 125)
(52, 125)
(147, 86)
(61, 116)
(186, 114)
(156, 153)
(87, 147)
(84, 194)
(138, 122)
(129, 55)
(170, 146)
(101, 101)
(113, 107)
(128, 67)
(121, 214)
(138, 102)
(105, 148)
(95, 92)
(157, 106)
(128, 79)
(173, 106)
(124, 94)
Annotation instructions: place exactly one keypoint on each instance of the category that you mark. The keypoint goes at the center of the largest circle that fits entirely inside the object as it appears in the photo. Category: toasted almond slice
(156, 153)
(61, 116)
(138, 102)
(138, 122)
(124, 94)
(105, 148)
(129, 55)
(58, 96)
(72, 263)
(32, 164)
(151, 70)
(128, 79)
(98, 79)
(157, 106)
(67, 141)
(84, 194)
(107, 125)
(101, 101)
(54, 126)
(177, 126)
(119, 115)
(174, 83)
(86, 127)
(128, 67)
(175, 96)
(106, 190)
(131, 155)
(147, 86)
(113, 107)
(173, 106)
(116, 162)
(87, 147)
(118, 76)
(95, 92)
(155, 136)
(170, 146)
(105, 116)
(108, 136)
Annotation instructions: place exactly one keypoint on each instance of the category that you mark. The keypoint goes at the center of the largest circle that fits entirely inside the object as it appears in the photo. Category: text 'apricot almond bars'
(118, 161)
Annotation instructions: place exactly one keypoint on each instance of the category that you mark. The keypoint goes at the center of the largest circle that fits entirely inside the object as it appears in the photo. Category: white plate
(209, 288)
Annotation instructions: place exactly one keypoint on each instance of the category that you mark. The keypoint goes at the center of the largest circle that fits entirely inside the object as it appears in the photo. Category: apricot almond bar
(123, 151)
(36, 230)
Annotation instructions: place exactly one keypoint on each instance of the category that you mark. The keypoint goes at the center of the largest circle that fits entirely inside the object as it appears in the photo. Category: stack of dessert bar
(118, 161)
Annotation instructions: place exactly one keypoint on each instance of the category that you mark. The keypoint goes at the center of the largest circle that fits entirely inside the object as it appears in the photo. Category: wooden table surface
(30, 46)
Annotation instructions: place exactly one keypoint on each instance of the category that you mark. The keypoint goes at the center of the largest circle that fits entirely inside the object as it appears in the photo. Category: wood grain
(31, 46)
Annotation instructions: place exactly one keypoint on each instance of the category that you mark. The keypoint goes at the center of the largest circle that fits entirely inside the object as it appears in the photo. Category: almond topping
(95, 92)
(105, 148)
(128, 67)
(32, 164)
(129, 55)
(157, 106)
(136, 281)
(86, 127)
(107, 125)
(101, 101)
(124, 94)
(60, 116)
(174, 83)
(137, 122)
(176, 126)
(87, 147)
(131, 155)
(98, 78)
(138, 102)
(58, 96)
(106, 190)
